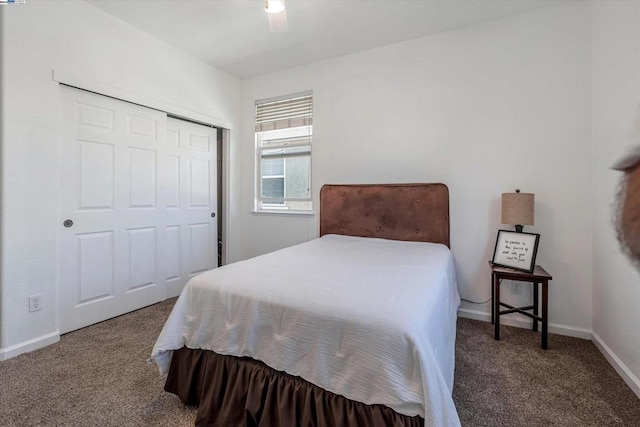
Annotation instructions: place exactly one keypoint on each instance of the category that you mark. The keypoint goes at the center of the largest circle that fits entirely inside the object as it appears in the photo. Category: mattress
(370, 319)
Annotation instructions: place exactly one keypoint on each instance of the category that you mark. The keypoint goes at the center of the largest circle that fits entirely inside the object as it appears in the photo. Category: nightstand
(539, 276)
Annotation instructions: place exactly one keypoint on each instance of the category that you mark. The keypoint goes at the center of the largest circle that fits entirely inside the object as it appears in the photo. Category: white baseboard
(474, 314)
(632, 381)
(525, 323)
(30, 345)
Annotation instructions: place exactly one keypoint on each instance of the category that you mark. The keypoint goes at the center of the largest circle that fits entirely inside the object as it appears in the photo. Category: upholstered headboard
(414, 212)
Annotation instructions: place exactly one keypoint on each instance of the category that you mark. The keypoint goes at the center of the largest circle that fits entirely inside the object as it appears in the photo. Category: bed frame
(233, 391)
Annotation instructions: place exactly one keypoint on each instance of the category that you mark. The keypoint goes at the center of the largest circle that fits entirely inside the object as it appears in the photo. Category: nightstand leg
(493, 299)
(496, 306)
(545, 315)
(536, 312)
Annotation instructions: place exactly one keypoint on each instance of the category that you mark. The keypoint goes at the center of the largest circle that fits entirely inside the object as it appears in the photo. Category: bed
(354, 328)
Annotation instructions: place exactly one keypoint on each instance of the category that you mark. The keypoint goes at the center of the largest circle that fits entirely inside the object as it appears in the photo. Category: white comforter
(369, 319)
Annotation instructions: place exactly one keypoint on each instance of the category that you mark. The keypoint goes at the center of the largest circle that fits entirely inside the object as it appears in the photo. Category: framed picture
(516, 250)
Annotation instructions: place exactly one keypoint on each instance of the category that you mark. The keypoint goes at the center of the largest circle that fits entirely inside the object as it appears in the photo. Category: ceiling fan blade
(278, 21)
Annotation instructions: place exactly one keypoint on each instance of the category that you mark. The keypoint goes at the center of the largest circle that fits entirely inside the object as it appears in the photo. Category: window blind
(294, 111)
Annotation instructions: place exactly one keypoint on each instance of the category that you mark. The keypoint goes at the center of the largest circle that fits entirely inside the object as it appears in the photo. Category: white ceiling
(234, 36)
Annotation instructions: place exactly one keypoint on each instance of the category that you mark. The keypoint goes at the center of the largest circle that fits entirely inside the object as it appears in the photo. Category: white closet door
(117, 224)
(190, 201)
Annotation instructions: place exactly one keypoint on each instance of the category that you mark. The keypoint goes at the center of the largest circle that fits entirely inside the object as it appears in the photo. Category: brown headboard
(414, 212)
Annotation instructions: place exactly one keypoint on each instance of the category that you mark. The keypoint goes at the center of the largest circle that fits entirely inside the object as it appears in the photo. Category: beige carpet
(97, 376)
(513, 382)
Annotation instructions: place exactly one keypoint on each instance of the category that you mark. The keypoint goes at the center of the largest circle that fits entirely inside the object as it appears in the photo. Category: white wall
(77, 39)
(616, 96)
(484, 109)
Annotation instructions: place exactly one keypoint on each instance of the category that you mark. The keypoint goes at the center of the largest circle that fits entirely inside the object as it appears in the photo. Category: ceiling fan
(277, 15)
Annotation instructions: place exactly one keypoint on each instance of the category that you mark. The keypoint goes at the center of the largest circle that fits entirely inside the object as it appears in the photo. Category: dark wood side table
(539, 276)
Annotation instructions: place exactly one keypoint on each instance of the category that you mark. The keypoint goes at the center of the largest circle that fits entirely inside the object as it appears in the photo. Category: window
(284, 127)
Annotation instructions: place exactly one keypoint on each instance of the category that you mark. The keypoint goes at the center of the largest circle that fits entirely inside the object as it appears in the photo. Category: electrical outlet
(516, 287)
(35, 302)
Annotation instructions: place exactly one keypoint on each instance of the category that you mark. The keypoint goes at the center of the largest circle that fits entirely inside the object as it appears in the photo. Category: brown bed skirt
(231, 391)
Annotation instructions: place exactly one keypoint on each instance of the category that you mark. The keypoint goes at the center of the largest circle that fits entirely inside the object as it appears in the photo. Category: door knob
(67, 223)
(213, 214)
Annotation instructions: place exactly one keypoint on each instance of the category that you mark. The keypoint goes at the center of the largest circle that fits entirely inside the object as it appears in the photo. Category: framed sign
(516, 250)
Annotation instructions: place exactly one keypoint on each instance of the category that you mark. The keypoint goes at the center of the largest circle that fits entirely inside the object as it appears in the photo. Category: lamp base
(519, 228)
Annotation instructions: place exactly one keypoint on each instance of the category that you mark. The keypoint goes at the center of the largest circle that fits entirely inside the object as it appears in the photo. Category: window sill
(284, 212)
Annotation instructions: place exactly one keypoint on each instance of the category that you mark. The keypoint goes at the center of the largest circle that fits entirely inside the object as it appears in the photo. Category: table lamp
(517, 209)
